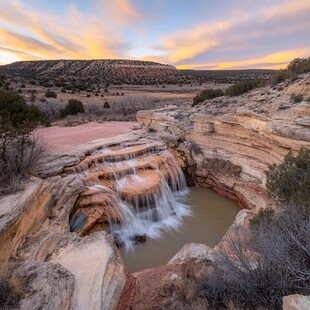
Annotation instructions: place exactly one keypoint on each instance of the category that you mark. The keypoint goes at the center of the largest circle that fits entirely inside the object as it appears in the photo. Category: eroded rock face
(39, 225)
(97, 269)
(240, 137)
(21, 214)
(60, 269)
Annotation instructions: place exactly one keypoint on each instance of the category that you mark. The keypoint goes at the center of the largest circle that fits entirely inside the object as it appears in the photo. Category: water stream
(211, 216)
(138, 193)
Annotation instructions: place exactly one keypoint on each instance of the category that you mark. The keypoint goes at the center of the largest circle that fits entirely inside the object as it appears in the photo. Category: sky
(196, 34)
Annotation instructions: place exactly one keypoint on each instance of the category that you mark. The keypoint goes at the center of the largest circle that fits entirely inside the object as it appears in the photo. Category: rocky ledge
(236, 138)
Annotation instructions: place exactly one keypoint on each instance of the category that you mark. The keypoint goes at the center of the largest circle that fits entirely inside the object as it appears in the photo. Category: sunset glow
(198, 34)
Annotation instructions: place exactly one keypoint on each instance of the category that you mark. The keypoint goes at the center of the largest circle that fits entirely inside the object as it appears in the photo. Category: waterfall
(138, 187)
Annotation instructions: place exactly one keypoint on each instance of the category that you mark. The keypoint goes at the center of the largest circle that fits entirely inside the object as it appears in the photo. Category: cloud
(277, 60)
(123, 11)
(249, 31)
(73, 34)
(251, 35)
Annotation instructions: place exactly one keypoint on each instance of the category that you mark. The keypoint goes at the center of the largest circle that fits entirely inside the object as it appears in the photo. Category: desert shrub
(281, 76)
(295, 67)
(19, 149)
(243, 87)
(263, 215)
(289, 182)
(184, 291)
(106, 105)
(151, 130)
(207, 94)
(73, 107)
(50, 94)
(299, 65)
(12, 286)
(297, 98)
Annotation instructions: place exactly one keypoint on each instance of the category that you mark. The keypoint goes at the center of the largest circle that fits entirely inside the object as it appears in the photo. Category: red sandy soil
(64, 138)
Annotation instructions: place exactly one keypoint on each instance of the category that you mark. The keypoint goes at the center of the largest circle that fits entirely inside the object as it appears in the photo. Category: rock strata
(237, 141)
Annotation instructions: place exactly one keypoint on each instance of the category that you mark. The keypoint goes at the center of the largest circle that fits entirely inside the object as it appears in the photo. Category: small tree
(19, 151)
(73, 107)
(50, 94)
(106, 105)
(289, 182)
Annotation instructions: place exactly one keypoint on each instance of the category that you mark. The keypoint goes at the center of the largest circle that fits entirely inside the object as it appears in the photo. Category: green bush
(289, 182)
(50, 94)
(106, 105)
(73, 107)
(281, 76)
(295, 67)
(207, 94)
(19, 150)
(243, 87)
(299, 65)
(263, 215)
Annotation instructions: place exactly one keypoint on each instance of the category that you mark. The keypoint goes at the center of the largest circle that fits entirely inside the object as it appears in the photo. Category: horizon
(198, 36)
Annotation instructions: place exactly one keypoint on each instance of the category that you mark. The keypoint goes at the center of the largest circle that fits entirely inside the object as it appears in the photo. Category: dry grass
(12, 288)
(184, 292)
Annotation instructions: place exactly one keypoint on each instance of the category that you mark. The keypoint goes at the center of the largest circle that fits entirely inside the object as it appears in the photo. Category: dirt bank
(64, 138)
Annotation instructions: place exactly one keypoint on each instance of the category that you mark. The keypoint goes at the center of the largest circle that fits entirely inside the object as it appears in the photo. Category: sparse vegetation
(50, 94)
(207, 94)
(280, 76)
(12, 289)
(295, 67)
(73, 107)
(263, 215)
(20, 150)
(106, 105)
(243, 87)
(289, 182)
(299, 65)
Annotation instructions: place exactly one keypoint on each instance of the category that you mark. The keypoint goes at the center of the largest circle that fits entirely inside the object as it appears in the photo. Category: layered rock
(240, 137)
(59, 269)
(81, 193)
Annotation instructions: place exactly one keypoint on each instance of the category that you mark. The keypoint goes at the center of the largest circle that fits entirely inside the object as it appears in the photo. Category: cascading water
(140, 186)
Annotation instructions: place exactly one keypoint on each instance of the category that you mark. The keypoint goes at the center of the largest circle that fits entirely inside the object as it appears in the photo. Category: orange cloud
(277, 60)
(74, 34)
(236, 34)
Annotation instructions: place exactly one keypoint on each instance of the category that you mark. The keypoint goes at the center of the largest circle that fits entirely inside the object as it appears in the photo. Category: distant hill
(111, 71)
(120, 71)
